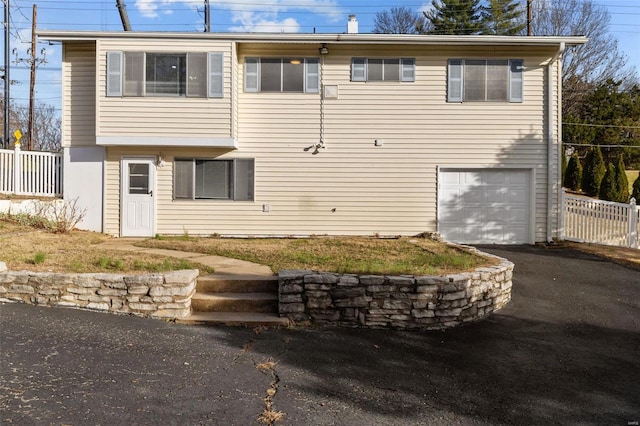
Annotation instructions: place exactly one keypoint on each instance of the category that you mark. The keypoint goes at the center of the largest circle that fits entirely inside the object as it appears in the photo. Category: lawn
(357, 255)
(28, 248)
(632, 175)
(25, 247)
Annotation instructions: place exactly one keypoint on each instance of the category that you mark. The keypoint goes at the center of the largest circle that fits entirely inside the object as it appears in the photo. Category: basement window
(195, 179)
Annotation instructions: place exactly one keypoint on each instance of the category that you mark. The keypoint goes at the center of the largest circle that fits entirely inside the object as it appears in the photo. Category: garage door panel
(484, 206)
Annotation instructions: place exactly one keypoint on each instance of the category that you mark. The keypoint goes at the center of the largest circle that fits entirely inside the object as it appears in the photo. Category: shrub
(622, 183)
(635, 193)
(573, 174)
(608, 188)
(593, 172)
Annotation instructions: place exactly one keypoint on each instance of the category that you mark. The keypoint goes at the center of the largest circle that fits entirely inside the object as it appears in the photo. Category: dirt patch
(629, 257)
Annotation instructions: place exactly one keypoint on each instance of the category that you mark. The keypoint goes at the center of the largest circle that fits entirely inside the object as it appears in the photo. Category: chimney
(352, 25)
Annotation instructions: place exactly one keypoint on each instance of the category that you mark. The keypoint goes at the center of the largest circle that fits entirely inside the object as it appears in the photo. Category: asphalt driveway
(566, 350)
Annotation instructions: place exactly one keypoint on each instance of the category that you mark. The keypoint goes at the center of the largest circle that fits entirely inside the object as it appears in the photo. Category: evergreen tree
(593, 172)
(461, 17)
(608, 190)
(573, 175)
(635, 193)
(503, 17)
(622, 183)
(563, 165)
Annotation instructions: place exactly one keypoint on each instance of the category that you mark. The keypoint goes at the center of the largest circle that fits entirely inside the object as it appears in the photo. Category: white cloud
(288, 25)
(252, 15)
(150, 8)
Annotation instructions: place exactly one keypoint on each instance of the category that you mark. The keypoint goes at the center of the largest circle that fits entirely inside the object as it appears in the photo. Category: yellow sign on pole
(18, 135)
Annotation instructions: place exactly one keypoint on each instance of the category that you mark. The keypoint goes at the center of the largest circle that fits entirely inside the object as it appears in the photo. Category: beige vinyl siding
(163, 115)
(352, 186)
(78, 99)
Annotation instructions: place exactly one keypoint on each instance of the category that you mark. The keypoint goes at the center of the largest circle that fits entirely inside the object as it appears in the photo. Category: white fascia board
(167, 141)
(396, 39)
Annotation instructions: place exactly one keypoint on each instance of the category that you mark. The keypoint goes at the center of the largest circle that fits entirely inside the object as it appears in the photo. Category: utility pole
(7, 79)
(32, 61)
(207, 17)
(32, 81)
(123, 15)
(529, 18)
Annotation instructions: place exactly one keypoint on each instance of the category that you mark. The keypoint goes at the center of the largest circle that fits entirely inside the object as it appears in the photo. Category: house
(248, 134)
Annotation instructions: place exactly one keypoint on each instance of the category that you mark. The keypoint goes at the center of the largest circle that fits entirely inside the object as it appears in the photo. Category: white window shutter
(358, 69)
(516, 80)
(114, 73)
(216, 75)
(251, 74)
(312, 76)
(454, 81)
(407, 69)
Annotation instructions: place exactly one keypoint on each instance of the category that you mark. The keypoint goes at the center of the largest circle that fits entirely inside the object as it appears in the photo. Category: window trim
(234, 179)
(360, 70)
(455, 80)
(115, 78)
(254, 86)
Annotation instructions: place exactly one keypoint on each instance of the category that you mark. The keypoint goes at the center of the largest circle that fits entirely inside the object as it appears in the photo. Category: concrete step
(247, 319)
(237, 284)
(235, 302)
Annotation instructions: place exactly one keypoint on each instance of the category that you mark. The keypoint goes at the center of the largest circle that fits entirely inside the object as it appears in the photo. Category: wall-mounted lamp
(324, 50)
(160, 160)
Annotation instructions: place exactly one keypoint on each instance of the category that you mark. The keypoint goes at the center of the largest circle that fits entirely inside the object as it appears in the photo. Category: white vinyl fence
(30, 173)
(601, 222)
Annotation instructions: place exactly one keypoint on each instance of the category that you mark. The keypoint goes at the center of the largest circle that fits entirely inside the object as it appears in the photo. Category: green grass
(356, 255)
(631, 177)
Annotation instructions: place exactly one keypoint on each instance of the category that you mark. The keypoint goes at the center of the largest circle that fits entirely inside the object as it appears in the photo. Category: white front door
(137, 211)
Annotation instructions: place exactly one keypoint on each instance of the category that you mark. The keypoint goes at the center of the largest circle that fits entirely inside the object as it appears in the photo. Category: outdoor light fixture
(295, 61)
(324, 50)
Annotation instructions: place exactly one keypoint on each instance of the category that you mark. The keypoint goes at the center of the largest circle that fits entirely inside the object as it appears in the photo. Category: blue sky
(325, 16)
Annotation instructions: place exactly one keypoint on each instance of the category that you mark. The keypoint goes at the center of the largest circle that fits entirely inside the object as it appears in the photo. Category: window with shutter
(295, 75)
(388, 69)
(195, 74)
(485, 80)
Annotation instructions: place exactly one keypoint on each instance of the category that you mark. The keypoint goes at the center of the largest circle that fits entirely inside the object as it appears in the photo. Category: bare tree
(47, 135)
(399, 20)
(599, 59)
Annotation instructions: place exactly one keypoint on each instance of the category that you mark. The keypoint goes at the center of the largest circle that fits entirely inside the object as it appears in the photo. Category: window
(297, 75)
(480, 80)
(213, 179)
(363, 69)
(165, 74)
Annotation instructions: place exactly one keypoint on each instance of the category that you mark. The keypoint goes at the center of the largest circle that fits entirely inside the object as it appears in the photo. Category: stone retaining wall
(403, 302)
(153, 295)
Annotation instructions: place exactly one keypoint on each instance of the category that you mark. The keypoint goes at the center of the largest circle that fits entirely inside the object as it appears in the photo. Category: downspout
(550, 136)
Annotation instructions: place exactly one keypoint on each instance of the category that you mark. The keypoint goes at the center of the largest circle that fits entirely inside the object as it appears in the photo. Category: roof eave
(407, 39)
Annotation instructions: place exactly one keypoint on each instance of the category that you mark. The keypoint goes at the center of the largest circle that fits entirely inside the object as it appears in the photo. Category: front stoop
(237, 300)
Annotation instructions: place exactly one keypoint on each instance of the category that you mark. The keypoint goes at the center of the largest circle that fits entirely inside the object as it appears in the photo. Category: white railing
(30, 173)
(601, 222)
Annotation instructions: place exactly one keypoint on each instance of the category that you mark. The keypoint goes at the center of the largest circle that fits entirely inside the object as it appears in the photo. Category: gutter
(550, 136)
(298, 38)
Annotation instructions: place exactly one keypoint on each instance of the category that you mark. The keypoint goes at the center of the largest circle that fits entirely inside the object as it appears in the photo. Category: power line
(602, 125)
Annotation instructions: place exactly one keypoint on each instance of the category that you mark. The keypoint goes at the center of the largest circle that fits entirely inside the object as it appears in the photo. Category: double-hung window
(213, 179)
(399, 69)
(485, 80)
(300, 75)
(197, 74)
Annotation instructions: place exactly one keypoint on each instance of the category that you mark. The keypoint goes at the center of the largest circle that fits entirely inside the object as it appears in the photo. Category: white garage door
(484, 205)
